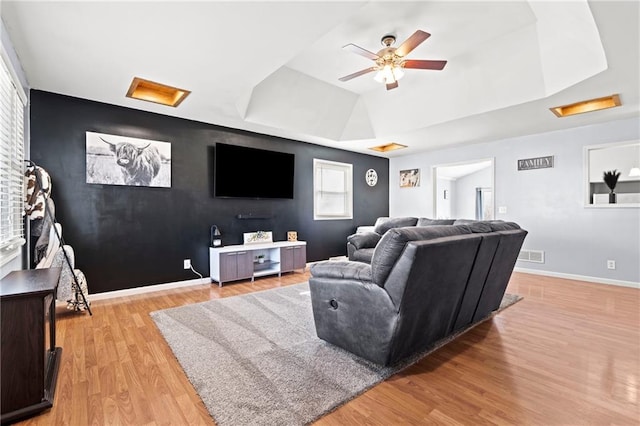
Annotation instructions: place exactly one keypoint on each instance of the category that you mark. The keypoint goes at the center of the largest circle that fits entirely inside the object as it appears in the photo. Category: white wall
(621, 158)
(7, 47)
(465, 192)
(445, 207)
(548, 203)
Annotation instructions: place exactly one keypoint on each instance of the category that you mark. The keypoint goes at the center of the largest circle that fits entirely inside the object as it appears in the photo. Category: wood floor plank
(567, 354)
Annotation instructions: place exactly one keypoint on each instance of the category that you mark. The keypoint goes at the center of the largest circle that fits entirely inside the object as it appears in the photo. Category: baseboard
(207, 280)
(152, 288)
(147, 289)
(579, 277)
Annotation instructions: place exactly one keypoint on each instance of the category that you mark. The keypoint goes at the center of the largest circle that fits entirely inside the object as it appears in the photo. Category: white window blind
(11, 165)
(333, 190)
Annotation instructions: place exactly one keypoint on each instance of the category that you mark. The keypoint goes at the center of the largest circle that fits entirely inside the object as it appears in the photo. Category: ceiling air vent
(536, 256)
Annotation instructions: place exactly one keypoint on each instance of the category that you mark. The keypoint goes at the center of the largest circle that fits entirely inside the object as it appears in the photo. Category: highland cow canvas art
(121, 160)
(409, 178)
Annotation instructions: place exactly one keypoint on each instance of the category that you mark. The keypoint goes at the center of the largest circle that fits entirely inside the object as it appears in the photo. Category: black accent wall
(127, 237)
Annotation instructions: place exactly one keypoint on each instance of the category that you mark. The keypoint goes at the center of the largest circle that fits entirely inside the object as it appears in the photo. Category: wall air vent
(536, 256)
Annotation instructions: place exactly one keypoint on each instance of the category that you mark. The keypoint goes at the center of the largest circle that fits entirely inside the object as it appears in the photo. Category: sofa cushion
(424, 221)
(363, 255)
(384, 224)
(476, 226)
(364, 240)
(498, 225)
(393, 243)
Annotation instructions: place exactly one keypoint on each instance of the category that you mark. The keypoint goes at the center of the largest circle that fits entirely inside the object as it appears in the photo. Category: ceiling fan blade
(412, 42)
(424, 65)
(357, 74)
(360, 51)
(392, 85)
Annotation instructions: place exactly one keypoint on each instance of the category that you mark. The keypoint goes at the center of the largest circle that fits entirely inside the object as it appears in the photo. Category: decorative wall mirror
(621, 163)
(464, 190)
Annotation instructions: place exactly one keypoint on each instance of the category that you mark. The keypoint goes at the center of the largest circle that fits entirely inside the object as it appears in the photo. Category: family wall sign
(535, 163)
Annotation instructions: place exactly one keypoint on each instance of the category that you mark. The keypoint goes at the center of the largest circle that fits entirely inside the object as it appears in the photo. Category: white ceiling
(457, 171)
(272, 67)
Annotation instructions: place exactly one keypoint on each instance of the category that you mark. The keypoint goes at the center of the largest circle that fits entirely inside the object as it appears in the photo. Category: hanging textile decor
(34, 196)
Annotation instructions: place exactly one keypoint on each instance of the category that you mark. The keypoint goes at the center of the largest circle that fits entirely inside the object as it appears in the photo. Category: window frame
(12, 152)
(318, 190)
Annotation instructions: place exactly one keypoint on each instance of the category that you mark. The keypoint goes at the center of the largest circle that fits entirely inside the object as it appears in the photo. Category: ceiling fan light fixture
(389, 74)
(390, 61)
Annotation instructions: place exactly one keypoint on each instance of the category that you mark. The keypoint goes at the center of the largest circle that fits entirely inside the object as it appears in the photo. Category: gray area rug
(255, 359)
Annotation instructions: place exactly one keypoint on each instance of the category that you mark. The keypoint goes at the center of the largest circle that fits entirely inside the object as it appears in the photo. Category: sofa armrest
(344, 270)
(364, 240)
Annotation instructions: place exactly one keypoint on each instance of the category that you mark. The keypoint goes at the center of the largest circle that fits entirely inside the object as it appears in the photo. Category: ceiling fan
(390, 61)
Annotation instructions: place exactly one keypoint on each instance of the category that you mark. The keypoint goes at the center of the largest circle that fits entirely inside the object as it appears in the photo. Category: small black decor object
(216, 238)
(611, 180)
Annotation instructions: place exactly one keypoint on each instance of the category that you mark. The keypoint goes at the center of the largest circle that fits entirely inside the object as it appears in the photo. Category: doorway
(464, 190)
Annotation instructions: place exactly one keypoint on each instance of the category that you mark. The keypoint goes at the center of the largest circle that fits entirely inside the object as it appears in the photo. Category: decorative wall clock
(371, 177)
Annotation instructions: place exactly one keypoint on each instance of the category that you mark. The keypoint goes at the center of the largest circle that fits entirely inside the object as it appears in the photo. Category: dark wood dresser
(29, 358)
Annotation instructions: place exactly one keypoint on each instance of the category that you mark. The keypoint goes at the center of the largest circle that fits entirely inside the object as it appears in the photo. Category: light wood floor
(568, 354)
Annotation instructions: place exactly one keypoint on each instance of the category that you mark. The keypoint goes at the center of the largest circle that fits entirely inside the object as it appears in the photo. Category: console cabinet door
(236, 265)
(286, 259)
(244, 265)
(228, 266)
(299, 257)
(294, 257)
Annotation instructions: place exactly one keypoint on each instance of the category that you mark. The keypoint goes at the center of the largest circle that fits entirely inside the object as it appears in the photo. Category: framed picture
(121, 160)
(409, 178)
(257, 237)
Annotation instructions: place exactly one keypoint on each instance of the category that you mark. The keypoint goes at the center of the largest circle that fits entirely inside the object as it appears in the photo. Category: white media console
(241, 262)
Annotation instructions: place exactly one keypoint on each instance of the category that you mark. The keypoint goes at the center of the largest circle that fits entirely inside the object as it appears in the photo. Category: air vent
(536, 256)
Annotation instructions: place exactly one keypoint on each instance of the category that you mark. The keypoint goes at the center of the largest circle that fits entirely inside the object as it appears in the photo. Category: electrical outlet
(611, 264)
(187, 264)
(502, 209)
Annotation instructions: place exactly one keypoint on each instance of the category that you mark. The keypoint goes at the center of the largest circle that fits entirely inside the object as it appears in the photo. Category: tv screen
(242, 172)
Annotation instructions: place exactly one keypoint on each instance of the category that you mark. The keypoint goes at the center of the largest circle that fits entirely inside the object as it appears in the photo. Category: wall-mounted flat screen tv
(243, 172)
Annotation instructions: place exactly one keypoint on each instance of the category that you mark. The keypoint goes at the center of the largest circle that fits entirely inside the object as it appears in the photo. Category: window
(332, 190)
(11, 165)
(620, 157)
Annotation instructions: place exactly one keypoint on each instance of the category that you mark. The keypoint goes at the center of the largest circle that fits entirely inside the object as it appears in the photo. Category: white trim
(147, 289)
(612, 206)
(152, 288)
(586, 177)
(598, 280)
(434, 181)
(347, 170)
(203, 281)
(14, 76)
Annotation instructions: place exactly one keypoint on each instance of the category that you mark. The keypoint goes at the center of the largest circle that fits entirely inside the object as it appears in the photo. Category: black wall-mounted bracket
(253, 216)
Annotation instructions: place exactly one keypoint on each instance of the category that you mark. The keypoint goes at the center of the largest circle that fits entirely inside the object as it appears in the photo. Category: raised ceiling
(273, 67)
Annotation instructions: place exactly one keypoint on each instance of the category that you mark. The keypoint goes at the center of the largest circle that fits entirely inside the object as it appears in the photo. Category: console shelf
(239, 262)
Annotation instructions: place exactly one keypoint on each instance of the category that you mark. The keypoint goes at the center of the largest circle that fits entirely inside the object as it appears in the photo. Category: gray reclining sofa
(360, 245)
(423, 284)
